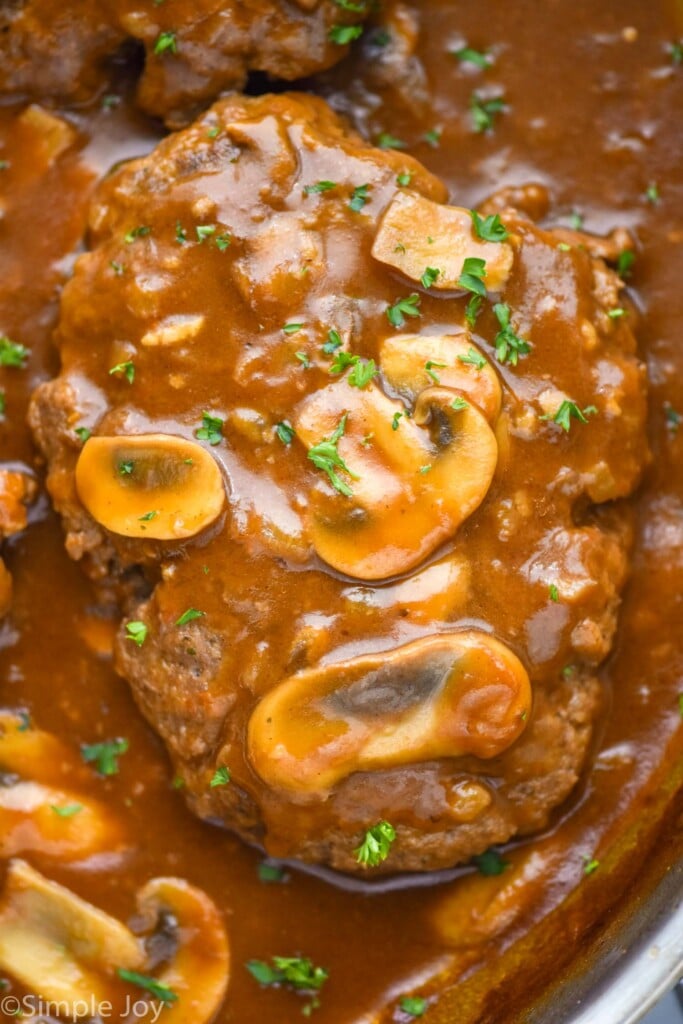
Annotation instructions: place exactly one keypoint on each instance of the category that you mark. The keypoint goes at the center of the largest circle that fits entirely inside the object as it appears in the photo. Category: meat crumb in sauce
(327, 587)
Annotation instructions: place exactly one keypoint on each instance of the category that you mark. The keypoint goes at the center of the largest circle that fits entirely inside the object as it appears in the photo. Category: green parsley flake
(473, 309)
(12, 353)
(617, 313)
(292, 328)
(396, 420)
(489, 229)
(298, 973)
(459, 404)
(139, 232)
(126, 370)
(325, 456)
(414, 1006)
(472, 276)
(554, 593)
(433, 137)
(431, 367)
(429, 277)
(126, 467)
(221, 777)
(509, 346)
(404, 178)
(385, 140)
(569, 411)
(466, 55)
(189, 616)
(362, 372)
(211, 429)
(473, 358)
(205, 231)
(67, 810)
(320, 186)
(303, 359)
(157, 989)
(625, 261)
(490, 863)
(285, 432)
(166, 43)
(652, 193)
(222, 242)
(137, 632)
(402, 308)
(333, 342)
(342, 35)
(180, 233)
(484, 111)
(105, 755)
(359, 198)
(590, 864)
(272, 874)
(376, 846)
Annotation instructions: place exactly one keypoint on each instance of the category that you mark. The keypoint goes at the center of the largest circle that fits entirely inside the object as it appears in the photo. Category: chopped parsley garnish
(137, 632)
(473, 358)
(189, 616)
(359, 198)
(509, 346)
(676, 52)
(155, 988)
(625, 261)
(489, 229)
(673, 418)
(11, 352)
(576, 220)
(139, 232)
(126, 370)
(429, 277)
(490, 862)
(590, 864)
(272, 874)
(117, 267)
(414, 1006)
(569, 411)
(320, 186)
(211, 429)
(105, 755)
(472, 309)
(223, 241)
(325, 456)
(148, 516)
(221, 777)
(652, 193)
(295, 971)
(3, 403)
(385, 140)
(554, 593)
(362, 372)
(466, 55)
(180, 233)
(376, 846)
(333, 342)
(404, 178)
(433, 137)
(395, 420)
(617, 313)
(292, 328)
(680, 704)
(285, 432)
(402, 308)
(431, 367)
(459, 403)
(205, 231)
(425, 469)
(166, 43)
(126, 467)
(472, 276)
(67, 810)
(484, 112)
(342, 35)
(303, 359)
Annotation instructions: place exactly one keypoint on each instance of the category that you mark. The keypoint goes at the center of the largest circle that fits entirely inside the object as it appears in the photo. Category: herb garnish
(484, 112)
(376, 846)
(325, 456)
(569, 411)
(11, 352)
(105, 755)
(490, 862)
(166, 43)
(489, 229)
(402, 308)
(472, 275)
(155, 988)
(137, 632)
(126, 370)
(509, 346)
(221, 777)
(189, 616)
(211, 429)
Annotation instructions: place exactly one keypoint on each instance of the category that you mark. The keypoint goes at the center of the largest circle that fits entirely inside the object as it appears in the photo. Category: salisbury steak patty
(367, 448)
(194, 49)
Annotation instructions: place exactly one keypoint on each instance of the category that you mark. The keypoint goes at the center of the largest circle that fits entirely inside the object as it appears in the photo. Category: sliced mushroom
(431, 594)
(443, 696)
(416, 233)
(412, 487)
(153, 486)
(412, 362)
(58, 945)
(66, 950)
(199, 970)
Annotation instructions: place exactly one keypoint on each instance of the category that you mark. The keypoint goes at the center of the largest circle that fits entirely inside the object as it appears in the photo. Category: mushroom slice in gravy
(442, 696)
(154, 486)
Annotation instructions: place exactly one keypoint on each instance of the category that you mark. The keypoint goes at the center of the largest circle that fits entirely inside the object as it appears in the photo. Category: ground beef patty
(367, 449)
(194, 49)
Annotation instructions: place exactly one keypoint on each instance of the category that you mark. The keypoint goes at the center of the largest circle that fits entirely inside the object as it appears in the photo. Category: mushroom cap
(443, 696)
(412, 487)
(150, 486)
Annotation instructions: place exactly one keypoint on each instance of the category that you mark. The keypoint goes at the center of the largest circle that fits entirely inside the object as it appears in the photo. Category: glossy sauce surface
(376, 945)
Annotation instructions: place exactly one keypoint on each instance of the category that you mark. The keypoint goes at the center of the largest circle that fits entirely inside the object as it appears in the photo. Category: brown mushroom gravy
(565, 123)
